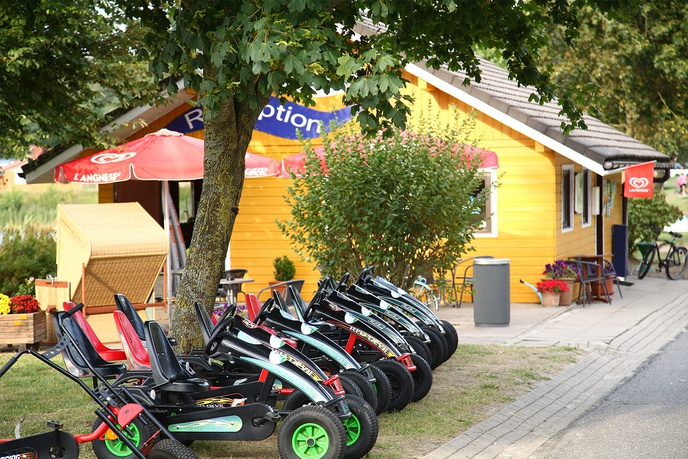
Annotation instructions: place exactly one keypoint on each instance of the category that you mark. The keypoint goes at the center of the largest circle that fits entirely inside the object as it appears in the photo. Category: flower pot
(25, 330)
(550, 299)
(567, 297)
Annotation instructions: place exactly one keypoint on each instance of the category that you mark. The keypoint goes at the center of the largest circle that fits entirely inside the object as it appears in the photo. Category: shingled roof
(600, 148)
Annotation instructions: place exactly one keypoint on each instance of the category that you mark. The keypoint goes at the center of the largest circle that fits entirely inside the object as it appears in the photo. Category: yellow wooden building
(559, 196)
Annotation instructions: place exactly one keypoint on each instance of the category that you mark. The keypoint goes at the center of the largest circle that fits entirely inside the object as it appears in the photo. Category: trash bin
(491, 300)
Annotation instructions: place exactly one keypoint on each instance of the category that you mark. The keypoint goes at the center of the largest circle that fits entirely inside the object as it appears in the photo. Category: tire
(361, 428)
(383, 389)
(452, 337)
(295, 400)
(438, 347)
(350, 386)
(366, 387)
(116, 449)
(171, 449)
(676, 263)
(645, 265)
(401, 383)
(422, 378)
(419, 347)
(311, 432)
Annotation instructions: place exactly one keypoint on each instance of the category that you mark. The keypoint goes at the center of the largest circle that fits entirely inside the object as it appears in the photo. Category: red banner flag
(639, 180)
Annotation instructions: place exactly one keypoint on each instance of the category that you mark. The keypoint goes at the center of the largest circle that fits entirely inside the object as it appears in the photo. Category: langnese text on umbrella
(96, 178)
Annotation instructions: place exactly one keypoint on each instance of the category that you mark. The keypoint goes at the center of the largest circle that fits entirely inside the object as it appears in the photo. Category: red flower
(552, 286)
(23, 304)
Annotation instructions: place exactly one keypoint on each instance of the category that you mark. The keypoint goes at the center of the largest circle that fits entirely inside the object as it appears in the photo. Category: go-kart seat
(167, 372)
(86, 362)
(124, 305)
(136, 353)
(107, 353)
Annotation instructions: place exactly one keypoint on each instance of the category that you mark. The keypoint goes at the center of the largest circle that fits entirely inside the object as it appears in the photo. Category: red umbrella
(297, 163)
(260, 166)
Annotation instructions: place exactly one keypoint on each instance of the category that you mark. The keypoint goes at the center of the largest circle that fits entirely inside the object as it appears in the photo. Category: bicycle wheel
(644, 267)
(676, 263)
(425, 295)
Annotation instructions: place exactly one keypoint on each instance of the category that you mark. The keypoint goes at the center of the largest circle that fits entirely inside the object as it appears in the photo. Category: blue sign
(275, 119)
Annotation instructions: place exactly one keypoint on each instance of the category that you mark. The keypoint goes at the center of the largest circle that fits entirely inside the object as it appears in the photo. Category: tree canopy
(638, 66)
(63, 67)
(235, 55)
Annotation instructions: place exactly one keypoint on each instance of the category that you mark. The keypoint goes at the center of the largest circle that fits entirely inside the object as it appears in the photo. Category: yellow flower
(4, 304)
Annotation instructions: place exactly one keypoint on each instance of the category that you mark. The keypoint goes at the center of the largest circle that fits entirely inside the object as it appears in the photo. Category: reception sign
(276, 119)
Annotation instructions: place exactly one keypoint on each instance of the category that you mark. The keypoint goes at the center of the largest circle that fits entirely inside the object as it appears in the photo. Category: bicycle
(425, 294)
(674, 262)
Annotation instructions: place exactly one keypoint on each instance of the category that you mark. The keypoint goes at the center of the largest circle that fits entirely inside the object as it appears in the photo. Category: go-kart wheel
(295, 400)
(171, 449)
(383, 389)
(438, 346)
(311, 432)
(452, 337)
(350, 386)
(367, 390)
(361, 428)
(419, 347)
(112, 447)
(401, 383)
(422, 377)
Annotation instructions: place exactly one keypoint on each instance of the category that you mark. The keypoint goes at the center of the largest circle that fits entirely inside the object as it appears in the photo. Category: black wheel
(361, 428)
(366, 387)
(438, 346)
(170, 449)
(311, 432)
(422, 378)
(295, 400)
(401, 382)
(419, 347)
(452, 337)
(383, 389)
(350, 386)
(139, 433)
(676, 263)
(644, 267)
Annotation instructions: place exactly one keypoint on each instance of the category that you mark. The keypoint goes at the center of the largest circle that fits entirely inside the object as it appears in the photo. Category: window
(488, 213)
(567, 197)
(587, 188)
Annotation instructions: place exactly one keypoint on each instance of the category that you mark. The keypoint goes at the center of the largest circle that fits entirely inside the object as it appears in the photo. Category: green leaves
(404, 202)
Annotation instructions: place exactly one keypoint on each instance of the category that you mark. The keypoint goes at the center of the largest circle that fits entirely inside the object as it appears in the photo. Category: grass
(467, 389)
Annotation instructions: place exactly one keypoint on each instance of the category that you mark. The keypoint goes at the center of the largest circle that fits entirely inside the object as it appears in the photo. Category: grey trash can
(491, 300)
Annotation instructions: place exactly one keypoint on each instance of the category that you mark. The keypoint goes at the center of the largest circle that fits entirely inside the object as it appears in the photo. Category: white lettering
(270, 114)
(96, 178)
(285, 115)
(194, 115)
(298, 124)
(280, 110)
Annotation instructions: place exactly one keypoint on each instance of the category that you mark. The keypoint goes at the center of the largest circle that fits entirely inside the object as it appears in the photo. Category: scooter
(120, 417)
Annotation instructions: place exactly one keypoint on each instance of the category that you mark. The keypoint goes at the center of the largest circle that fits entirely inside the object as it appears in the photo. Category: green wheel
(361, 428)
(112, 447)
(311, 432)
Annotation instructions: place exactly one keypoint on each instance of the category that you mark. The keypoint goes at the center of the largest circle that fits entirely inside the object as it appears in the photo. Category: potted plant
(284, 271)
(551, 290)
(21, 321)
(563, 271)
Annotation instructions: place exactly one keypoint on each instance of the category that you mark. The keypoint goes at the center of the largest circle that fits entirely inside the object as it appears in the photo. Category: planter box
(24, 330)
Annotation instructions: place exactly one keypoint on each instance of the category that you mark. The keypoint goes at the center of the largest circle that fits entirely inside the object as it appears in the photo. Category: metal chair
(466, 280)
(231, 291)
(608, 269)
(591, 280)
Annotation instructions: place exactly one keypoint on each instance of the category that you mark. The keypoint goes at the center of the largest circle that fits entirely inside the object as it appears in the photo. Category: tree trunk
(227, 135)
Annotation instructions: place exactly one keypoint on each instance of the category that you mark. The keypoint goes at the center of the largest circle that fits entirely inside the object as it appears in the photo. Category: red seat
(136, 353)
(105, 352)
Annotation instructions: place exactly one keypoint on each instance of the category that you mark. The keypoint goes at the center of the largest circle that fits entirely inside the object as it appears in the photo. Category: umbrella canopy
(260, 166)
(297, 162)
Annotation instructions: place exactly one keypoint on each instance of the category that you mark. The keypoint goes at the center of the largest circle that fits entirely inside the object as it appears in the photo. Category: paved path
(620, 336)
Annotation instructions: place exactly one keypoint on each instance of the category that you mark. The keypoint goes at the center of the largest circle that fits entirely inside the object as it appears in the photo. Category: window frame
(489, 228)
(567, 197)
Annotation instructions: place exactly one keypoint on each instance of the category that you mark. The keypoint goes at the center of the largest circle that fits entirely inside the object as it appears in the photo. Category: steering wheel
(264, 310)
(343, 282)
(215, 338)
(365, 274)
(308, 312)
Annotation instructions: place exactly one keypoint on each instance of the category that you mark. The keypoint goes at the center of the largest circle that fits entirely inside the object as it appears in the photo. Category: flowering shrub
(23, 304)
(552, 286)
(560, 270)
(4, 304)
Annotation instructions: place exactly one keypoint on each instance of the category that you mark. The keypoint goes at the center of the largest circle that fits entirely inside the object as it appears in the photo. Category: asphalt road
(647, 417)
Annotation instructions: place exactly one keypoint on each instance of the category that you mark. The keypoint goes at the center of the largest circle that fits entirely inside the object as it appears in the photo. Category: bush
(403, 201)
(647, 217)
(284, 269)
(25, 254)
